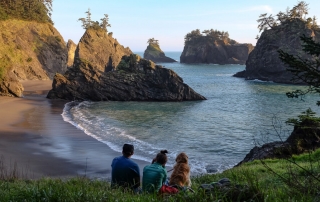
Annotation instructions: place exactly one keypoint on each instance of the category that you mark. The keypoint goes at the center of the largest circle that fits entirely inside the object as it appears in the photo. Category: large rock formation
(99, 49)
(263, 62)
(71, 46)
(29, 51)
(213, 48)
(154, 53)
(98, 75)
(134, 79)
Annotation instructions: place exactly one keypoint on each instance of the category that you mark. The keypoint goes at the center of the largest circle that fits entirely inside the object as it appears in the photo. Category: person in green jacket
(155, 175)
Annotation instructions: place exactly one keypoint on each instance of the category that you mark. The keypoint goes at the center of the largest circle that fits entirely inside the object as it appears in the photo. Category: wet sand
(34, 135)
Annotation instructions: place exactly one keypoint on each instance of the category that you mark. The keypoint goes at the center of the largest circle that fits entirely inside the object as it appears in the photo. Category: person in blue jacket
(125, 172)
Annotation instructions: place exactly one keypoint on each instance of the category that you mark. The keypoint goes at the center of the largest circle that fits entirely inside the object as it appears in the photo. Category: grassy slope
(256, 177)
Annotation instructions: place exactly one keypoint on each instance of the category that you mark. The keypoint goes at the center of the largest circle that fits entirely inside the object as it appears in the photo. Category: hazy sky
(133, 22)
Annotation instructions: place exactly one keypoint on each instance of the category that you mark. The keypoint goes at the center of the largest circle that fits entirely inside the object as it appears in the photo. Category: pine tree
(306, 69)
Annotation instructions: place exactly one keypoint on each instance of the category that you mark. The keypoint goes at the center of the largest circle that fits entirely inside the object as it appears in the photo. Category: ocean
(215, 133)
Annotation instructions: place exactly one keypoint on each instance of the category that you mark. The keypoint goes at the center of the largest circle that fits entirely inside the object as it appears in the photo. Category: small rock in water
(211, 169)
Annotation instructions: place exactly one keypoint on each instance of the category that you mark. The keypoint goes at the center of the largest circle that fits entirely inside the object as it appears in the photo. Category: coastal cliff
(29, 51)
(213, 47)
(263, 62)
(154, 53)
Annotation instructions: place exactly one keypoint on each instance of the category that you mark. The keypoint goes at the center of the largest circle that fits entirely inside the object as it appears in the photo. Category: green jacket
(154, 176)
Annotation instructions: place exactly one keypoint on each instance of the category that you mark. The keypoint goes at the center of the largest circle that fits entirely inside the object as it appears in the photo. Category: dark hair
(162, 157)
(127, 149)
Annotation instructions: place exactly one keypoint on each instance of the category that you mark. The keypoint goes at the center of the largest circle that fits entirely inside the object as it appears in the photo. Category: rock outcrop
(154, 53)
(105, 70)
(134, 79)
(305, 137)
(71, 46)
(29, 51)
(214, 48)
(100, 49)
(263, 62)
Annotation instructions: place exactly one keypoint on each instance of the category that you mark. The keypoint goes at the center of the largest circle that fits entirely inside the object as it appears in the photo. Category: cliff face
(154, 53)
(99, 49)
(29, 51)
(263, 62)
(134, 79)
(216, 52)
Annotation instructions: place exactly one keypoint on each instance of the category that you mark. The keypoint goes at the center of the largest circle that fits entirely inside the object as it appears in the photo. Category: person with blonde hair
(181, 171)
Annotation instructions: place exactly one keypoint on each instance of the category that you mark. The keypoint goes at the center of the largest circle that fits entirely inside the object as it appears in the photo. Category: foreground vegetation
(249, 182)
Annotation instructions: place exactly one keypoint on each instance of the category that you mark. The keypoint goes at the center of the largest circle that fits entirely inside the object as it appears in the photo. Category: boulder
(134, 79)
(154, 53)
(263, 62)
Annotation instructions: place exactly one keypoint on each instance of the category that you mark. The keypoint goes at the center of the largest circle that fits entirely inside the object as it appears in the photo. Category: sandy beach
(34, 135)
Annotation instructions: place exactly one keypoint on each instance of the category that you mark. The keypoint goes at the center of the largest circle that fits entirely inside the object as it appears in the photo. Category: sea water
(215, 133)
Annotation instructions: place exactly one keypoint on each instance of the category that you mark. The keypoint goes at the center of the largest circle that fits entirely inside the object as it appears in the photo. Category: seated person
(155, 175)
(181, 172)
(125, 172)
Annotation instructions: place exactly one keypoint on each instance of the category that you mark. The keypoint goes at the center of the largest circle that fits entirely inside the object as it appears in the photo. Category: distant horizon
(133, 23)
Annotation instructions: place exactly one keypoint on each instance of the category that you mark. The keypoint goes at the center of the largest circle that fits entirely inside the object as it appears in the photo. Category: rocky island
(280, 32)
(104, 70)
(154, 52)
(213, 46)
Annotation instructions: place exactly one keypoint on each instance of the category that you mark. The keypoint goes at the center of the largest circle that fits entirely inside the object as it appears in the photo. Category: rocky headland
(29, 51)
(212, 46)
(104, 70)
(263, 62)
(154, 53)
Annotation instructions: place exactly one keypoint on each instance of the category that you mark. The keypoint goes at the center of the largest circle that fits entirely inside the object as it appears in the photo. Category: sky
(133, 22)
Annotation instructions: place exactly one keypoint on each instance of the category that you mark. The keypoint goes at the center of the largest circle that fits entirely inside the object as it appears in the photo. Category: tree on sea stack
(153, 41)
(87, 23)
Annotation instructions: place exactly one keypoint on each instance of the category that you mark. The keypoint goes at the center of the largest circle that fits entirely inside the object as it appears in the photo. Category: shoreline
(34, 135)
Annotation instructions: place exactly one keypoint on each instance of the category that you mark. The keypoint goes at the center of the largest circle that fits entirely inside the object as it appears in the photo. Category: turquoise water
(216, 133)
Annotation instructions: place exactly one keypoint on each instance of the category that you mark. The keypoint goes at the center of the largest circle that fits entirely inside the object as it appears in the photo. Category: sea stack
(263, 62)
(212, 46)
(104, 70)
(154, 53)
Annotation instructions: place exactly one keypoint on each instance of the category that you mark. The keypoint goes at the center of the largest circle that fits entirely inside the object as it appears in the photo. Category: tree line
(208, 35)
(32, 10)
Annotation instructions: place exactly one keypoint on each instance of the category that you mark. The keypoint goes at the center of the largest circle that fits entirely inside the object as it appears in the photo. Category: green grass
(249, 181)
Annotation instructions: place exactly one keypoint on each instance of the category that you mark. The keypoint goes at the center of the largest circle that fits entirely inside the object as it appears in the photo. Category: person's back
(125, 172)
(155, 175)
